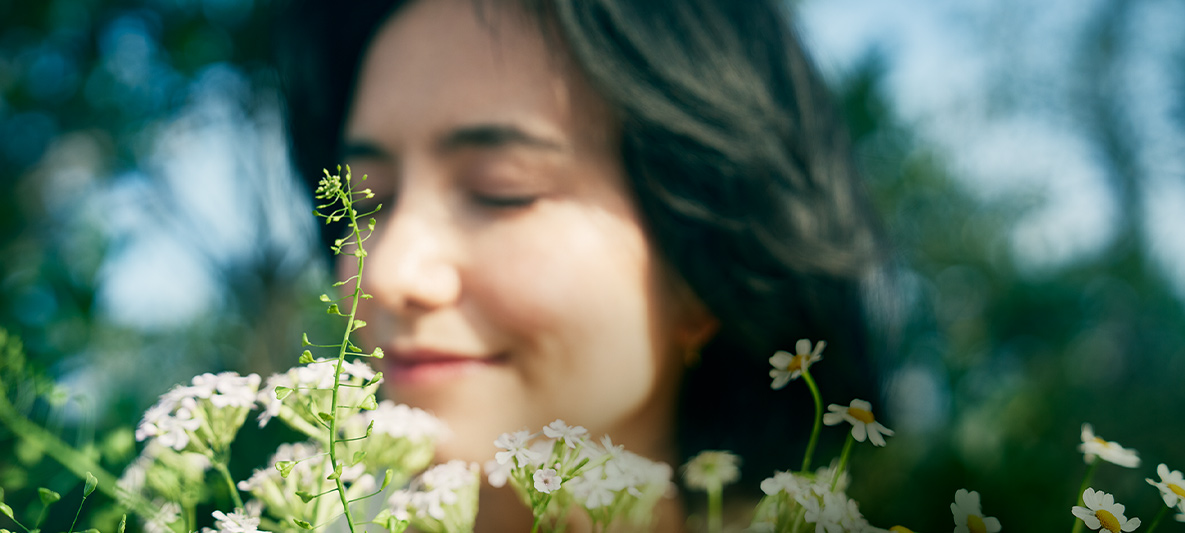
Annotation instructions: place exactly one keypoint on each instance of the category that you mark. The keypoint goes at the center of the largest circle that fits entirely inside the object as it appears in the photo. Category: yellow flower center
(900, 529)
(1176, 489)
(975, 524)
(795, 364)
(1110, 523)
(861, 415)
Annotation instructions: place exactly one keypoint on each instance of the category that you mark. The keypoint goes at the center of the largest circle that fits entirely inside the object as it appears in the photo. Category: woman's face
(512, 280)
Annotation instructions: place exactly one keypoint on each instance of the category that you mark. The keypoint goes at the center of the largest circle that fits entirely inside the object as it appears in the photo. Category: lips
(423, 367)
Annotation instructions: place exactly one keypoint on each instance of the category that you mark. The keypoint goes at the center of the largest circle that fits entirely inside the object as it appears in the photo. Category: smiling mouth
(422, 368)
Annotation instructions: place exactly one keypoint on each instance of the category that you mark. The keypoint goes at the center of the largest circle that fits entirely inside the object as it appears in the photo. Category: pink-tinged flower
(547, 480)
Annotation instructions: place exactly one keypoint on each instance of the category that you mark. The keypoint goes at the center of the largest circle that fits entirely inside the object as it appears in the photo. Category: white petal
(802, 346)
(859, 431)
(991, 524)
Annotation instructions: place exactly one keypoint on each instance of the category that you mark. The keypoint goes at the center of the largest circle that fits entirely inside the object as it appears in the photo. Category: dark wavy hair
(738, 162)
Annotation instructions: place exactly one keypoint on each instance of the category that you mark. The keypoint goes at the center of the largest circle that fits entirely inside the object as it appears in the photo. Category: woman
(607, 212)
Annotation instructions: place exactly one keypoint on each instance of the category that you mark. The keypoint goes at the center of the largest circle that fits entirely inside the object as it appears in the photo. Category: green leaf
(359, 324)
(1, 494)
(305, 496)
(282, 392)
(387, 478)
(91, 483)
(358, 455)
(378, 376)
(302, 524)
(6, 510)
(370, 428)
(378, 353)
(123, 523)
(371, 223)
(304, 340)
(337, 473)
(91, 530)
(325, 298)
(369, 403)
(333, 310)
(48, 496)
(396, 525)
(306, 357)
(328, 418)
(285, 468)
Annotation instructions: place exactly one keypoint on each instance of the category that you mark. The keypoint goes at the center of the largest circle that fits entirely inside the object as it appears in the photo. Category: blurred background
(1028, 159)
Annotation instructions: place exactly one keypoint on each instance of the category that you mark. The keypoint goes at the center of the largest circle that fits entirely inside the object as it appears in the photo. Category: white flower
(227, 389)
(170, 421)
(516, 446)
(1102, 513)
(169, 512)
(1092, 446)
(547, 480)
(235, 522)
(1171, 485)
(711, 469)
(859, 414)
(787, 482)
(787, 366)
(571, 435)
(969, 517)
(497, 473)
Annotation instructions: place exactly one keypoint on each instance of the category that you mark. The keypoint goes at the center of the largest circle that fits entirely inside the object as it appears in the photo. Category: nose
(410, 264)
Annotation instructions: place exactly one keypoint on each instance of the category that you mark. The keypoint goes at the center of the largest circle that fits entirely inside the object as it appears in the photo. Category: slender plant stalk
(715, 508)
(810, 447)
(1082, 488)
(843, 461)
(1156, 521)
(230, 484)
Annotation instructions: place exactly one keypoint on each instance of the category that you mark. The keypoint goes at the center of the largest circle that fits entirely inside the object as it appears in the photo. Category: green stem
(76, 462)
(1156, 521)
(1082, 488)
(810, 447)
(715, 508)
(76, 513)
(341, 355)
(230, 483)
(843, 461)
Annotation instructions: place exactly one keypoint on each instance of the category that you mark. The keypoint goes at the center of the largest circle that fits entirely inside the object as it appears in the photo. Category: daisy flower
(1102, 513)
(1171, 485)
(711, 468)
(859, 414)
(1093, 446)
(968, 515)
(789, 366)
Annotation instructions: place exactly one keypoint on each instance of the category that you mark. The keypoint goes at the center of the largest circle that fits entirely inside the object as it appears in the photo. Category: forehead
(436, 64)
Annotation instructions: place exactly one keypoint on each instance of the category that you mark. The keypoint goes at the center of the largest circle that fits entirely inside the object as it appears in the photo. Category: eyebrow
(475, 136)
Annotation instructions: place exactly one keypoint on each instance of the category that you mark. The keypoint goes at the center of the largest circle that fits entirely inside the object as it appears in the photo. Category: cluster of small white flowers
(443, 498)
(235, 522)
(220, 400)
(710, 469)
(310, 468)
(313, 380)
(402, 421)
(828, 510)
(516, 446)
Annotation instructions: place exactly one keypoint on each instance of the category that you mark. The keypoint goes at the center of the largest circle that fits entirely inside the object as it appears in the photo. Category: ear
(696, 325)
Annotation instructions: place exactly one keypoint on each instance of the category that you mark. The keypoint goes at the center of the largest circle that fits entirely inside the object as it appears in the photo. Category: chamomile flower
(1094, 446)
(1171, 485)
(969, 517)
(789, 366)
(711, 469)
(1102, 513)
(864, 425)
